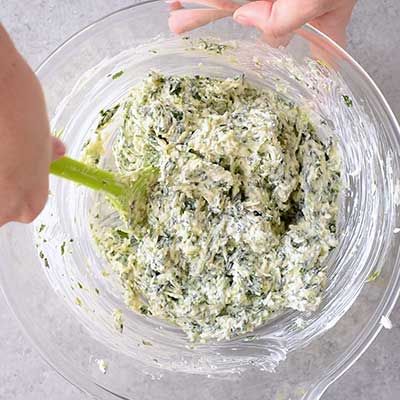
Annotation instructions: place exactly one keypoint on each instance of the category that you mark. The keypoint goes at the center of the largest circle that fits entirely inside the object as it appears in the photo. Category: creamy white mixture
(243, 214)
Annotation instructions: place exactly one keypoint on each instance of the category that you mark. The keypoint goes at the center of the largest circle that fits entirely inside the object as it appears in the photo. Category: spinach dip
(242, 215)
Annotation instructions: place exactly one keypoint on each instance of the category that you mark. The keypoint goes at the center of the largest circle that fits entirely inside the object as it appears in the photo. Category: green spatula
(129, 198)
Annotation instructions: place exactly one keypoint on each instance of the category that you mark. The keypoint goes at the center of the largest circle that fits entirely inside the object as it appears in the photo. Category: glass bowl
(62, 290)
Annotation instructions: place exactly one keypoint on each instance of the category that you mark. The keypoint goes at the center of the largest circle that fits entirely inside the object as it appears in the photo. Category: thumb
(278, 19)
(58, 148)
(184, 20)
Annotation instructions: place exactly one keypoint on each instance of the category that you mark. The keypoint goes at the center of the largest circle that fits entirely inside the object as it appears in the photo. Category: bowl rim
(387, 301)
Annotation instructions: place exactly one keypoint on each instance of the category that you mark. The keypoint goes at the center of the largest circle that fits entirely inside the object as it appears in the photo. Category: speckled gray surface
(39, 26)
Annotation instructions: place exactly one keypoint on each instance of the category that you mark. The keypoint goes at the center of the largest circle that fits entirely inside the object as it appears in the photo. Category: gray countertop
(38, 27)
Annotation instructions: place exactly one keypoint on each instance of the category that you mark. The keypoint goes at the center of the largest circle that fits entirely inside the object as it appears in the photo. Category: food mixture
(243, 212)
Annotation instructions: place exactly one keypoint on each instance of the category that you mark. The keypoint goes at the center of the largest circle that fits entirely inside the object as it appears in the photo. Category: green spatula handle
(92, 177)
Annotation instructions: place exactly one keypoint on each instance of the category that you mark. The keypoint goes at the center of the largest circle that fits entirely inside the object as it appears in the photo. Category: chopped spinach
(117, 75)
(347, 100)
(106, 116)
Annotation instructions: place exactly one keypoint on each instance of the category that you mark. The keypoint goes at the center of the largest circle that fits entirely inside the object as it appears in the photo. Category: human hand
(276, 19)
(27, 147)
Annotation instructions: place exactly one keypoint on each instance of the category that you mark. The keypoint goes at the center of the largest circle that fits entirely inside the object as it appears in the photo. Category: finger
(285, 18)
(58, 148)
(334, 23)
(277, 20)
(217, 4)
(181, 21)
(336, 32)
(258, 14)
(174, 5)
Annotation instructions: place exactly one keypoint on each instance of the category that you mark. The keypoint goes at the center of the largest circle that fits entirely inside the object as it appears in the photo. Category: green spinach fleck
(117, 75)
(347, 100)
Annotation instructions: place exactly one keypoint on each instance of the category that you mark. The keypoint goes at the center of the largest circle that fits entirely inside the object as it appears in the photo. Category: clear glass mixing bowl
(60, 289)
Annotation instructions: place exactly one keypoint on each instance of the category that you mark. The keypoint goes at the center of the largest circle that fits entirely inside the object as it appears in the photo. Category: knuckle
(312, 8)
(22, 198)
(278, 31)
(32, 208)
(324, 6)
(10, 211)
(26, 218)
(22, 207)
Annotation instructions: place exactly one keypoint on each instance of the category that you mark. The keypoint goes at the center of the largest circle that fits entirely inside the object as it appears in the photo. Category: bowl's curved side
(380, 112)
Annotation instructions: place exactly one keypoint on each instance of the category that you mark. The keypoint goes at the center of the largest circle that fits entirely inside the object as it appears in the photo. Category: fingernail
(242, 20)
(58, 147)
(173, 5)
